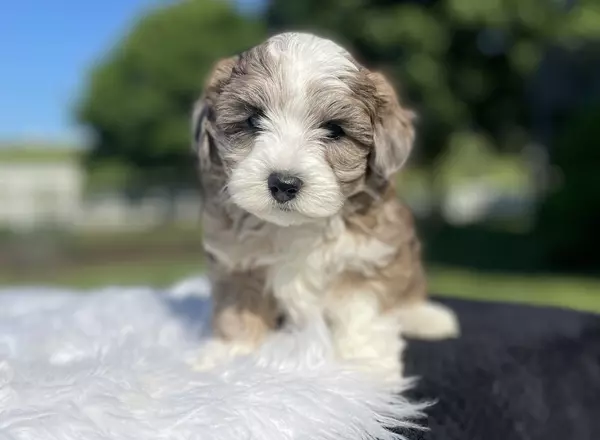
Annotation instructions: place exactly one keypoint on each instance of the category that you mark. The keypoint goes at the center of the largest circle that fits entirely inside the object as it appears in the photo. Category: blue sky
(46, 48)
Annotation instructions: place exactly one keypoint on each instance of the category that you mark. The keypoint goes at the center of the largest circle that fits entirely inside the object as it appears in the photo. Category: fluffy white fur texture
(115, 364)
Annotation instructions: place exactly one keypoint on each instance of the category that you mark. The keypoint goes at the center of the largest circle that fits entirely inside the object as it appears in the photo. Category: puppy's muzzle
(284, 187)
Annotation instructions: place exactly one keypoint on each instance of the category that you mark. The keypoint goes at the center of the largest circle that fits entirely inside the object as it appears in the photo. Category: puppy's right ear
(394, 130)
(203, 115)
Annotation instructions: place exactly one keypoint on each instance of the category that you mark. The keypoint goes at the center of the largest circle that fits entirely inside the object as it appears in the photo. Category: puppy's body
(298, 147)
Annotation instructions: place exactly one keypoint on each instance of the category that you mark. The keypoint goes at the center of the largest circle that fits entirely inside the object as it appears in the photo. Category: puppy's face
(296, 126)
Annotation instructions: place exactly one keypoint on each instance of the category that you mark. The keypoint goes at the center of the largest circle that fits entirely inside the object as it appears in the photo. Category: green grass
(155, 257)
(37, 154)
(145, 239)
(158, 274)
(573, 293)
(154, 273)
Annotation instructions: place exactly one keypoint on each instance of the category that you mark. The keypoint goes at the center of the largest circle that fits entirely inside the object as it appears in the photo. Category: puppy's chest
(310, 258)
(240, 243)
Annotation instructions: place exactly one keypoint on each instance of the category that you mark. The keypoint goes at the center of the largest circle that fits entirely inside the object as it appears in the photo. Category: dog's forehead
(298, 59)
(300, 67)
(302, 50)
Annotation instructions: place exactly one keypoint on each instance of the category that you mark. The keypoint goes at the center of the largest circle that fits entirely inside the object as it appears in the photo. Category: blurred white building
(51, 193)
(39, 193)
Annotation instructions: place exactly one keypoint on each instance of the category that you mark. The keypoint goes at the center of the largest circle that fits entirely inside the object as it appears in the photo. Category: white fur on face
(291, 140)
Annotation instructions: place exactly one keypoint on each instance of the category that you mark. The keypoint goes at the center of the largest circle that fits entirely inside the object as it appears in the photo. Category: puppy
(298, 148)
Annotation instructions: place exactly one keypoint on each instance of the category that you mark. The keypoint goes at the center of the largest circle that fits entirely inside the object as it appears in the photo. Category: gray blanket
(517, 373)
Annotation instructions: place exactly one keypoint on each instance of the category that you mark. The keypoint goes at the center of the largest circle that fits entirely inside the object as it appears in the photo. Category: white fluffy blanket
(114, 364)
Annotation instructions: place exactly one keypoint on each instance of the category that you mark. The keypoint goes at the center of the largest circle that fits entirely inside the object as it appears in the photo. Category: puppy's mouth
(286, 215)
(283, 197)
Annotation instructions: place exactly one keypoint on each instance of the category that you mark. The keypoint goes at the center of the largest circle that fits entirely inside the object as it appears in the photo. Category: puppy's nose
(283, 187)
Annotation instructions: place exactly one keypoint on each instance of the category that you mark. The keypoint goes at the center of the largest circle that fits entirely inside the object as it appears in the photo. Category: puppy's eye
(253, 122)
(334, 131)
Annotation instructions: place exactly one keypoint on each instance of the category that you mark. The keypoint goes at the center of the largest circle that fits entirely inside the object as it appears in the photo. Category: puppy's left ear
(203, 115)
(394, 131)
(202, 138)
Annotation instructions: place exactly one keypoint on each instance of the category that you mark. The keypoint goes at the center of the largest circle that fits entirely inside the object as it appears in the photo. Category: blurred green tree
(463, 64)
(139, 97)
(569, 217)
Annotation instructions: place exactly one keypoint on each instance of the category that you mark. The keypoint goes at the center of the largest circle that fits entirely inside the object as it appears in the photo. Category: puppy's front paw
(216, 352)
(429, 321)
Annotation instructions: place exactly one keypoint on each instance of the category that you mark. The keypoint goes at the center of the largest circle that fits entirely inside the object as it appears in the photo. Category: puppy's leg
(243, 314)
(428, 320)
(363, 335)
